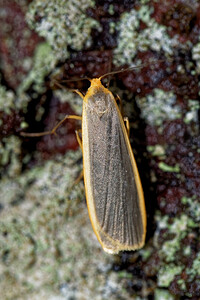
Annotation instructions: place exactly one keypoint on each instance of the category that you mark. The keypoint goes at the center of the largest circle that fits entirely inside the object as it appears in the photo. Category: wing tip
(120, 248)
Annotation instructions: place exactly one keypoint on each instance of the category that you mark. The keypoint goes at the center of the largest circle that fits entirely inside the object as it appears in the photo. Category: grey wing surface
(113, 184)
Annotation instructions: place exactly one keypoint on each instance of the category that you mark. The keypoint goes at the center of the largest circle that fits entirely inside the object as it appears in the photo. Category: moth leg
(78, 179)
(120, 103)
(81, 146)
(79, 139)
(79, 93)
(53, 131)
(127, 124)
(72, 90)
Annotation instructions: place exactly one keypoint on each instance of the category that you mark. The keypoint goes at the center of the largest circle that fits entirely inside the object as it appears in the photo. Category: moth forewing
(113, 188)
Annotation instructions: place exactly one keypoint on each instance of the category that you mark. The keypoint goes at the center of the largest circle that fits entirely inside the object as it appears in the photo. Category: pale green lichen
(193, 207)
(146, 253)
(162, 294)
(7, 100)
(158, 107)
(166, 168)
(157, 150)
(177, 229)
(192, 113)
(111, 9)
(181, 283)
(112, 27)
(196, 56)
(43, 62)
(187, 251)
(154, 36)
(63, 24)
(167, 273)
(195, 269)
(47, 243)
(124, 274)
(125, 51)
(144, 1)
(10, 151)
(23, 125)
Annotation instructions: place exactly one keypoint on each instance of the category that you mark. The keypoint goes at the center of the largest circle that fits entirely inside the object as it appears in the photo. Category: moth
(113, 188)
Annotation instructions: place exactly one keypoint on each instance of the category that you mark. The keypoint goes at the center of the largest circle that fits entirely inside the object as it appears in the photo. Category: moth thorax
(99, 103)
